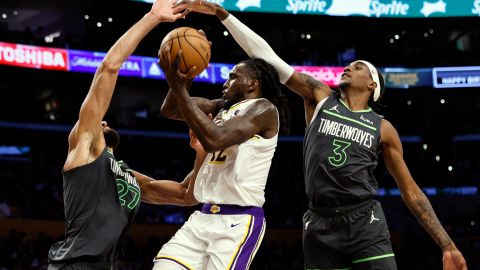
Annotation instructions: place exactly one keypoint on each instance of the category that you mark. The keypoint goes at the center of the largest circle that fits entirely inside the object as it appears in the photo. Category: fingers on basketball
(165, 58)
(195, 50)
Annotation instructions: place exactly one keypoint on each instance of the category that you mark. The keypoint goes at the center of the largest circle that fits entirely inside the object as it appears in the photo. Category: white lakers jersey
(238, 174)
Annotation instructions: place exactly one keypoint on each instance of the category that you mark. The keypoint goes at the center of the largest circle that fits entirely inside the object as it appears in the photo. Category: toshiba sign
(33, 56)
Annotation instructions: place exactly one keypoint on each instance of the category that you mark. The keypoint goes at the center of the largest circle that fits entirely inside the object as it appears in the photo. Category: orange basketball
(194, 45)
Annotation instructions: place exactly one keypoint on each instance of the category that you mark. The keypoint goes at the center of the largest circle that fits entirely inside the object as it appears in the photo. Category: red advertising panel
(328, 75)
(33, 56)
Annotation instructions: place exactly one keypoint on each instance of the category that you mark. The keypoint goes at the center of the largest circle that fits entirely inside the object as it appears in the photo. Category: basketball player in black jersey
(344, 227)
(101, 194)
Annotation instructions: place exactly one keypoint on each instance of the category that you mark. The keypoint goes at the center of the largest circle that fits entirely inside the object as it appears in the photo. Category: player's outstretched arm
(256, 47)
(172, 192)
(160, 191)
(310, 89)
(415, 199)
(169, 191)
(86, 131)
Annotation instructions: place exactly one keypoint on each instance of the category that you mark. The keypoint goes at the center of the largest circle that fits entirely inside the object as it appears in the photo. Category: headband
(374, 74)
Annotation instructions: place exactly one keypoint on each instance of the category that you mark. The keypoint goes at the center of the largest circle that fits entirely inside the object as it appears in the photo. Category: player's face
(357, 75)
(235, 87)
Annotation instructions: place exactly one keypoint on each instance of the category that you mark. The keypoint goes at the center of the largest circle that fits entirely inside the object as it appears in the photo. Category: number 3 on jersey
(340, 156)
(218, 158)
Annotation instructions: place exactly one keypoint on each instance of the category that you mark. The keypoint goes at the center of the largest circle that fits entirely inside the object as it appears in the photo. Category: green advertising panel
(367, 8)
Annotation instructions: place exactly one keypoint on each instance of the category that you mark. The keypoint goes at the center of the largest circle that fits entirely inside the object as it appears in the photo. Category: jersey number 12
(218, 158)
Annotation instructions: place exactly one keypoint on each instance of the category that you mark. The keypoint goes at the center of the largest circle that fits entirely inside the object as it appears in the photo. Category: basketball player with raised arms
(240, 142)
(344, 227)
(101, 194)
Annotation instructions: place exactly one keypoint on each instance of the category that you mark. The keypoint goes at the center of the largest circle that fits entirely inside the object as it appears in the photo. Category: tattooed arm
(414, 198)
(260, 118)
(311, 90)
(170, 109)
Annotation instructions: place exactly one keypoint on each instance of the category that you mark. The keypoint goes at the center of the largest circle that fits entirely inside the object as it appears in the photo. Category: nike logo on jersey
(366, 120)
(373, 218)
(233, 225)
(334, 108)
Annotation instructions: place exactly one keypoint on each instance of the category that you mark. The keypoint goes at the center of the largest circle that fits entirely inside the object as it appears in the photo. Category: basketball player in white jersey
(241, 141)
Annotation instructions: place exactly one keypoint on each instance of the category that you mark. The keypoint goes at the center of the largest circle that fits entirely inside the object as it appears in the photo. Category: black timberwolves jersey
(340, 153)
(101, 200)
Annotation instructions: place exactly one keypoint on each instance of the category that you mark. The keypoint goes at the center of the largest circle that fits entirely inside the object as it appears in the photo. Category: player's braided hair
(271, 89)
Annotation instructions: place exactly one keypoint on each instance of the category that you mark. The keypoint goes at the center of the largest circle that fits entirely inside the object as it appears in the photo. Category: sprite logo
(304, 6)
(395, 8)
(370, 8)
(476, 7)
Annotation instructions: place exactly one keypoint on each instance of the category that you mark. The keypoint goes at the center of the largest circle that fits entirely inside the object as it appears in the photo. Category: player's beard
(232, 98)
(112, 138)
(227, 104)
(343, 85)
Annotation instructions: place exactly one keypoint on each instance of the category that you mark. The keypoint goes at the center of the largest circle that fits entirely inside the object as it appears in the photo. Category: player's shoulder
(255, 103)
(387, 128)
(386, 123)
(260, 108)
(265, 104)
(266, 115)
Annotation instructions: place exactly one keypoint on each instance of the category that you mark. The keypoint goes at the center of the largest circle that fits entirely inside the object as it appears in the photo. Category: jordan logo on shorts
(373, 218)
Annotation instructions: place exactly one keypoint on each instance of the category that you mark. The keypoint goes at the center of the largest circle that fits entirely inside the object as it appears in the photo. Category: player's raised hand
(164, 11)
(453, 260)
(175, 78)
(200, 6)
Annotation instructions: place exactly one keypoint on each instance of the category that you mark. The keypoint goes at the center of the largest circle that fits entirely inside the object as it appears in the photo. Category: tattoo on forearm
(309, 82)
(425, 214)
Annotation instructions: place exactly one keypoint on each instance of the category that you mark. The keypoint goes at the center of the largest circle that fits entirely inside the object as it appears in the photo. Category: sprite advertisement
(366, 8)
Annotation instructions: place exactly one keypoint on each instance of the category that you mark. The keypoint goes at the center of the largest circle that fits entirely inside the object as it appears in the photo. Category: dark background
(31, 185)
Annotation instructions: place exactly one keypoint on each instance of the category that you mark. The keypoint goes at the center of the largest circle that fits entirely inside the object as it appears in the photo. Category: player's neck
(253, 95)
(229, 104)
(354, 100)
